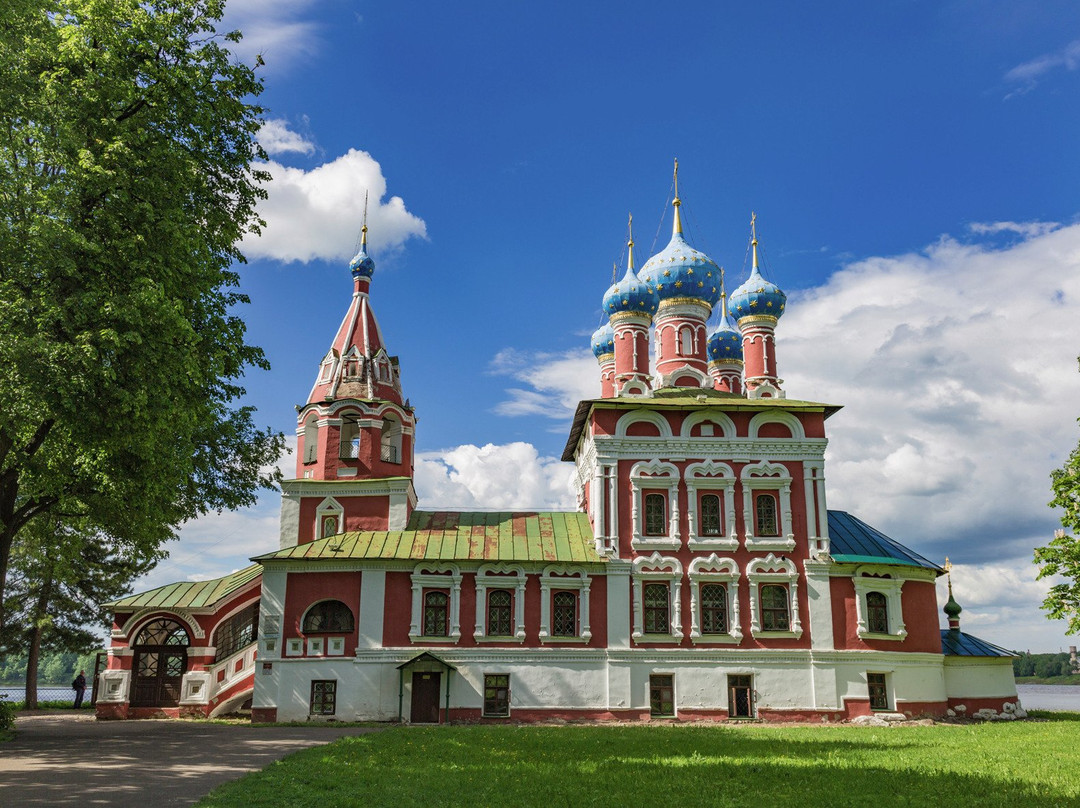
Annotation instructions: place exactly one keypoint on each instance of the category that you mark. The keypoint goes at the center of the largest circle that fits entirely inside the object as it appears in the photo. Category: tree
(1062, 556)
(127, 140)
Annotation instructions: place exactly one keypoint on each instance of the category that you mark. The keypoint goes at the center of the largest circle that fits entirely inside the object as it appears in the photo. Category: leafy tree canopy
(126, 181)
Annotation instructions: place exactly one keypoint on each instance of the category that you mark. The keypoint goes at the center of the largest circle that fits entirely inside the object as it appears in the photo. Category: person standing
(79, 686)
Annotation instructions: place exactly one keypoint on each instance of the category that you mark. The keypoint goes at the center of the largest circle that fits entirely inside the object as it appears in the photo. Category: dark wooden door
(425, 698)
(158, 675)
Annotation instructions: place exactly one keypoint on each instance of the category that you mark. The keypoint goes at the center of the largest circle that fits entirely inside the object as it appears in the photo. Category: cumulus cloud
(558, 381)
(1026, 76)
(316, 214)
(274, 30)
(276, 138)
(1023, 229)
(490, 477)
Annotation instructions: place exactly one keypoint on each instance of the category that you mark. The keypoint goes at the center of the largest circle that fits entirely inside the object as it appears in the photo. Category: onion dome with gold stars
(362, 266)
(680, 271)
(603, 341)
(631, 294)
(725, 342)
(757, 296)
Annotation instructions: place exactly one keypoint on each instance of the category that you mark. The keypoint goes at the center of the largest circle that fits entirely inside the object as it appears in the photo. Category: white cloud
(316, 214)
(274, 30)
(559, 381)
(276, 138)
(510, 476)
(1027, 75)
(1023, 229)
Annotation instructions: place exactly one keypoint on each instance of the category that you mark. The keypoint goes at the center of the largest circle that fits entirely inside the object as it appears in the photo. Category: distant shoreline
(1073, 680)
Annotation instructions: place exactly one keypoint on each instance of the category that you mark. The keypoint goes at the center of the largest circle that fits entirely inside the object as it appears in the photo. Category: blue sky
(913, 166)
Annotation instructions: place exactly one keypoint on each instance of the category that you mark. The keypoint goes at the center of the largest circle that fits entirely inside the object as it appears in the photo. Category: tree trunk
(37, 626)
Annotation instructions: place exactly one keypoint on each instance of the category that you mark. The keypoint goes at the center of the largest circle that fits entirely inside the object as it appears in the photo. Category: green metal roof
(519, 536)
(852, 541)
(189, 594)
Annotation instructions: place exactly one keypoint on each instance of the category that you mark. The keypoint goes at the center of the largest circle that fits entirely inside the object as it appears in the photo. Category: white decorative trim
(643, 417)
(142, 616)
(714, 569)
(777, 417)
(654, 474)
(329, 507)
(658, 569)
(766, 476)
(294, 646)
(500, 576)
(315, 646)
(114, 686)
(773, 570)
(721, 419)
(865, 583)
(561, 577)
(195, 688)
(666, 379)
(435, 576)
(335, 646)
(711, 475)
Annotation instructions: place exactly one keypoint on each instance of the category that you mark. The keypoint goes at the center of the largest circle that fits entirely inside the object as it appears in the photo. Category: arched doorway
(160, 663)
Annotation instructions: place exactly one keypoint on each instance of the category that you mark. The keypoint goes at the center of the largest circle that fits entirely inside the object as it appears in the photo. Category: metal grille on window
(324, 697)
(499, 613)
(564, 614)
(497, 695)
(239, 630)
(710, 515)
(877, 613)
(435, 614)
(879, 693)
(774, 608)
(766, 515)
(714, 609)
(654, 515)
(655, 609)
(328, 616)
(662, 695)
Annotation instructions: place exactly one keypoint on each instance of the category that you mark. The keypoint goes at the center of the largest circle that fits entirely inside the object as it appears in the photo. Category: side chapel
(701, 576)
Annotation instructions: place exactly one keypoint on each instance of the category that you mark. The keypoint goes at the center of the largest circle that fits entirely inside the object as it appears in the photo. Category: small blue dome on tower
(725, 343)
(603, 341)
(631, 294)
(757, 296)
(362, 266)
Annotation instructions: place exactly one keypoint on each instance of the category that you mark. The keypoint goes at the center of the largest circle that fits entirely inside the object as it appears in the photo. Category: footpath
(68, 758)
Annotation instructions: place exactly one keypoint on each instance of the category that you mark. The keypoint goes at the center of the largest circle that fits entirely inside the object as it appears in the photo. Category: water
(45, 693)
(1050, 697)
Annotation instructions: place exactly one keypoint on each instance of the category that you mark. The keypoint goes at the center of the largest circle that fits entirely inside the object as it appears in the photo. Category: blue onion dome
(362, 266)
(680, 271)
(603, 341)
(725, 343)
(757, 296)
(631, 294)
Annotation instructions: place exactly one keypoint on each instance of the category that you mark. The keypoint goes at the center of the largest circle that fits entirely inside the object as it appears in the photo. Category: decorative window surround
(114, 686)
(662, 569)
(866, 581)
(294, 647)
(773, 570)
(709, 570)
(335, 646)
(719, 419)
(435, 576)
(329, 508)
(777, 417)
(560, 577)
(500, 576)
(766, 476)
(711, 476)
(315, 646)
(654, 474)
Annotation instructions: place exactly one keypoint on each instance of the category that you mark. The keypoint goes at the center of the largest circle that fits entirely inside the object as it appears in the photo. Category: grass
(1024, 763)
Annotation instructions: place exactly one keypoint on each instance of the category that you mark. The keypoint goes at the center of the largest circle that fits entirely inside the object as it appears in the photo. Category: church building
(701, 576)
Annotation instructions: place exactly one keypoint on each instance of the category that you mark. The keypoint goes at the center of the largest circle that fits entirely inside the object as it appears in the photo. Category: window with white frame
(714, 600)
(657, 607)
(877, 685)
(329, 518)
(311, 438)
(878, 604)
(436, 603)
(654, 507)
(710, 487)
(500, 598)
(564, 604)
(766, 491)
(774, 597)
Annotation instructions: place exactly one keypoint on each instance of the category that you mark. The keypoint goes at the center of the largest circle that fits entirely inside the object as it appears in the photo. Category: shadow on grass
(575, 766)
(1053, 715)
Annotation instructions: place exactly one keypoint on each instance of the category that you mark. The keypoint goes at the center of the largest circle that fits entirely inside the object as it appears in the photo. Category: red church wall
(397, 609)
(919, 604)
(304, 589)
(361, 513)
(774, 430)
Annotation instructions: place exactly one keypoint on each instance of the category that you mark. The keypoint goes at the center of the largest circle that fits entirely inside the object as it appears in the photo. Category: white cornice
(738, 450)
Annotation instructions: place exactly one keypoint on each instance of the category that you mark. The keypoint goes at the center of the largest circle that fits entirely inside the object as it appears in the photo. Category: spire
(753, 239)
(677, 227)
(952, 608)
(630, 244)
(363, 229)
(723, 298)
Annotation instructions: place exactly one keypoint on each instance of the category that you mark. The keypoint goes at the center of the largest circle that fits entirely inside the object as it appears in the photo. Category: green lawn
(1024, 763)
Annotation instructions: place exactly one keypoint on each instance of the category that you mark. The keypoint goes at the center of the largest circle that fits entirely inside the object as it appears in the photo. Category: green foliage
(64, 667)
(1043, 666)
(7, 714)
(1000, 764)
(1062, 556)
(127, 134)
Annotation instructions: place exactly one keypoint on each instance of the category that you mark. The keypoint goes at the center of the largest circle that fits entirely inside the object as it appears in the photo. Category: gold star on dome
(753, 304)
(708, 274)
(689, 272)
(700, 284)
(667, 273)
(678, 284)
(768, 305)
(761, 291)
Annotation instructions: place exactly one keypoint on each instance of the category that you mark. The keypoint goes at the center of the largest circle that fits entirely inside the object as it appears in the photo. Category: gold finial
(614, 271)
(948, 574)
(723, 296)
(363, 229)
(630, 243)
(677, 229)
(753, 236)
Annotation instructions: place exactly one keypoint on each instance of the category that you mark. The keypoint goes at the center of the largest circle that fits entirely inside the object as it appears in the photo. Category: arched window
(239, 630)
(500, 619)
(159, 664)
(328, 616)
(163, 632)
(436, 614)
(877, 613)
(311, 439)
(564, 614)
(774, 608)
(349, 438)
(655, 515)
(686, 341)
(390, 440)
(765, 505)
(328, 525)
(714, 609)
(710, 515)
(655, 610)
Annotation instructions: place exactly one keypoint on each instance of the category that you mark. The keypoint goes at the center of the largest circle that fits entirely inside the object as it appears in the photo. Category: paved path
(71, 759)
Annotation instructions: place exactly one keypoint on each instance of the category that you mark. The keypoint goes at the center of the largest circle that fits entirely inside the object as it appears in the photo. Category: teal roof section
(954, 642)
(507, 536)
(188, 594)
(852, 541)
